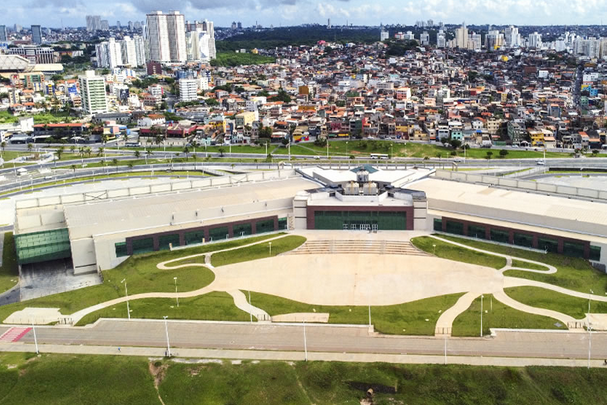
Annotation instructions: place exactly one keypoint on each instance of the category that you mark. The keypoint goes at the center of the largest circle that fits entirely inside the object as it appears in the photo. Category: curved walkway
(239, 299)
(207, 260)
(445, 322)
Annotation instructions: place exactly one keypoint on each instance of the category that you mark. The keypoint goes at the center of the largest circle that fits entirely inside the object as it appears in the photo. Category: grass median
(449, 251)
(498, 315)
(573, 273)
(9, 272)
(527, 265)
(547, 299)
(259, 251)
(214, 306)
(69, 379)
(142, 275)
(412, 318)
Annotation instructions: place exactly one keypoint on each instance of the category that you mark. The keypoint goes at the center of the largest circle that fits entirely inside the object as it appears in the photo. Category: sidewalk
(300, 356)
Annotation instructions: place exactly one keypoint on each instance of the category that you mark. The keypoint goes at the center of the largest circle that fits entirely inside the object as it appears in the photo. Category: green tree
(30, 147)
(221, 151)
(115, 162)
(455, 143)
(73, 167)
(137, 154)
(489, 154)
(503, 153)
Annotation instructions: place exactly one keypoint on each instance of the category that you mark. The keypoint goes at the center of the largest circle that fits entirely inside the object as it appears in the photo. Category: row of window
(363, 220)
(570, 248)
(145, 245)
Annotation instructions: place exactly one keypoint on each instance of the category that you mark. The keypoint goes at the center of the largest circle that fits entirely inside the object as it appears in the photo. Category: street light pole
(482, 296)
(305, 342)
(126, 293)
(250, 313)
(176, 296)
(327, 146)
(35, 337)
(166, 330)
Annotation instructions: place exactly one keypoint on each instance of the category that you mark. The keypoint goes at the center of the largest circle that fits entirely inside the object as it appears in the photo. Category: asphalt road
(320, 338)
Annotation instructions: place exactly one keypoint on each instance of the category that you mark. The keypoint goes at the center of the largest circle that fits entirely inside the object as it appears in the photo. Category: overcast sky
(294, 12)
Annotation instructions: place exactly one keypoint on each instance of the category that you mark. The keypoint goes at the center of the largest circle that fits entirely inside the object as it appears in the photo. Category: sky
(54, 13)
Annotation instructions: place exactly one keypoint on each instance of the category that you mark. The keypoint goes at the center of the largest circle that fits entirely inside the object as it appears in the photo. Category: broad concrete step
(357, 247)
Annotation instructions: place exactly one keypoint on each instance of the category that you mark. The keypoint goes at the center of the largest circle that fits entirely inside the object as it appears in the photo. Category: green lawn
(214, 306)
(260, 251)
(68, 380)
(141, 274)
(526, 265)
(9, 272)
(497, 315)
(409, 318)
(220, 246)
(328, 383)
(417, 150)
(448, 251)
(542, 298)
(115, 380)
(10, 155)
(238, 59)
(573, 273)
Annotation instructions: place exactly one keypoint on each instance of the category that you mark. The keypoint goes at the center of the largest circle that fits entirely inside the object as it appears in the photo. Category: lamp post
(327, 146)
(434, 249)
(250, 312)
(176, 296)
(305, 341)
(166, 330)
(482, 296)
(126, 293)
(35, 337)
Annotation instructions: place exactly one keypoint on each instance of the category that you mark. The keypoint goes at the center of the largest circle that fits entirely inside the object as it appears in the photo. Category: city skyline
(72, 13)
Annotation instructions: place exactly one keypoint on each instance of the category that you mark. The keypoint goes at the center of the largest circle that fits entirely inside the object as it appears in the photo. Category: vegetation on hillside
(238, 59)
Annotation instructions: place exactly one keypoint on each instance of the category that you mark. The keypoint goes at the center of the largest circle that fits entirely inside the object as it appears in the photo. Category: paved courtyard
(363, 279)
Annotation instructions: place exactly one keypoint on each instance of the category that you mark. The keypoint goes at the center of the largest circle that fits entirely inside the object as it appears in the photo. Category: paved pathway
(231, 279)
(444, 325)
(445, 322)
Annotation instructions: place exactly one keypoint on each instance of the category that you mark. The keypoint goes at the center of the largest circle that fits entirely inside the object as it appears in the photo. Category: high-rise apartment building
(133, 51)
(534, 40)
(383, 35)
(3, 33)
(441, 40)
(461, 37)
(512, 37)
(166, 40)
(92, 91)
(200, 41)
(188, 90)
(93, 23)
(36, 34)
(425, 38)
(109, 54)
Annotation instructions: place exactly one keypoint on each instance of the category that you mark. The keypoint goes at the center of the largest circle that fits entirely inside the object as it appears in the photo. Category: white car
(540, 163)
